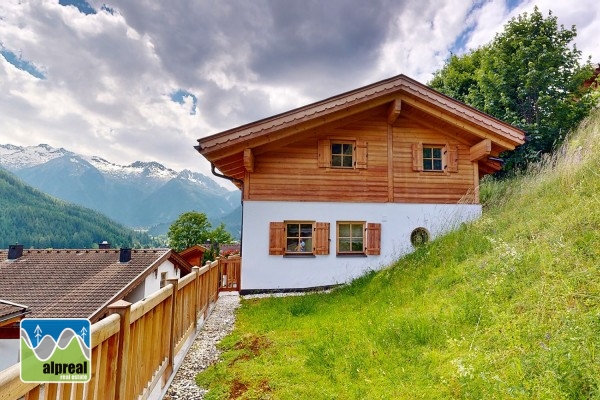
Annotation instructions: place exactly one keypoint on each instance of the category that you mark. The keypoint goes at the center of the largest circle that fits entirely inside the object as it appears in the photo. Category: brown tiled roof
(384, 90)
(74, 283)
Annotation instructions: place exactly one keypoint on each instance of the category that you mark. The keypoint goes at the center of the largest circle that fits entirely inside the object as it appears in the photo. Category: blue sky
(132, 80)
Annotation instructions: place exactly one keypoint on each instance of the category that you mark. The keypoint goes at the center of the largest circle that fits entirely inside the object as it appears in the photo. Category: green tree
(529, 76)
(220, 234)
(189, 229)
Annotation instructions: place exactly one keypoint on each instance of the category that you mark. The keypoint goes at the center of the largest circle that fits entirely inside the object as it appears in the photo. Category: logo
(55, 350)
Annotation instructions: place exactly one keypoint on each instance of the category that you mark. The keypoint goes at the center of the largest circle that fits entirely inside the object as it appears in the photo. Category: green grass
(506, 307)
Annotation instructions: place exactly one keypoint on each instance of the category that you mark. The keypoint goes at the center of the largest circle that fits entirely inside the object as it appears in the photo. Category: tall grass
(505, 307)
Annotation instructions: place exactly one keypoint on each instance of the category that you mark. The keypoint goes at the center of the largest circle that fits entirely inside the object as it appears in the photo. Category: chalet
(77, 283)
(347, 184)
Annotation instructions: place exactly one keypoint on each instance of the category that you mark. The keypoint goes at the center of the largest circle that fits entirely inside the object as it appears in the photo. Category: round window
(419, 237)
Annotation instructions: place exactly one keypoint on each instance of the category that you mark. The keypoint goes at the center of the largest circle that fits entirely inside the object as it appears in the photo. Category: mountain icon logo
(55, 350)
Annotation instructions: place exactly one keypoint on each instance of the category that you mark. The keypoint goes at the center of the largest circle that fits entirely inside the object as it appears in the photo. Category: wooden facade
(287, 157)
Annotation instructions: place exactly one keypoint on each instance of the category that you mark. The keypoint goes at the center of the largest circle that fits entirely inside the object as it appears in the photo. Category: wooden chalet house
(350, 183)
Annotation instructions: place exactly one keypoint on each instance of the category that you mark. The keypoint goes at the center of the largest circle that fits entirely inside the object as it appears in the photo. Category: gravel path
(203, 351)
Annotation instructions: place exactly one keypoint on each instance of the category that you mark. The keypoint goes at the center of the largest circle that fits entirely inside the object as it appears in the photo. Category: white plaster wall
(9, 352)
(152, 282)
(262, 271)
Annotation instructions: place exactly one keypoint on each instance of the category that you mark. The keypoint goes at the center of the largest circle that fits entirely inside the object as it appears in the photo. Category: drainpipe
(241, 182)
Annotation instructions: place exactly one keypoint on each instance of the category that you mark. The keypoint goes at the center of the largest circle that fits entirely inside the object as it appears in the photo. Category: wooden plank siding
(428, 186)
(292, 172)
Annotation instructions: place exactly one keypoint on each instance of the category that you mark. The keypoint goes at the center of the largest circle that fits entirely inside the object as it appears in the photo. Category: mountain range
(141, 195)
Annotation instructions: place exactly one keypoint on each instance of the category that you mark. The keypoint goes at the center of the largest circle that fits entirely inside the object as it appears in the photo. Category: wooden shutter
(361, 154)
(324, 153)
(373, 239)
(417, 157)
(321, 238)
(451, 158)
(276, 238)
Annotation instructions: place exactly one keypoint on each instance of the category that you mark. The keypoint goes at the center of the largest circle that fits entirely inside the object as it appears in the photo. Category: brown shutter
(373, 239)
(361, 154)
(324, 153)
(321, 238)
(276, 238)
(417, 157)
(451, 158)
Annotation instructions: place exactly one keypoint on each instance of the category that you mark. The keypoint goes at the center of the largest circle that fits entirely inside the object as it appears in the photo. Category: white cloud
(110, 76)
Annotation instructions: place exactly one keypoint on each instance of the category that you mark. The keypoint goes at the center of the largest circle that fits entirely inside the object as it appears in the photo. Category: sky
(131, 80)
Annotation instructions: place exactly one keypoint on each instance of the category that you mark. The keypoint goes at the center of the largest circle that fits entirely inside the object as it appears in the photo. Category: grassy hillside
(34, 219)
(506, 307)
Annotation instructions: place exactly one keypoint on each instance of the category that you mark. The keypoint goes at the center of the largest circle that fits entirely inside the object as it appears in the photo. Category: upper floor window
(432, 158)
(342, 155)
(437, 157)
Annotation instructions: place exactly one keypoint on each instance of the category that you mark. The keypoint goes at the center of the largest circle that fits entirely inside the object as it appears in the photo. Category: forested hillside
(34, 219)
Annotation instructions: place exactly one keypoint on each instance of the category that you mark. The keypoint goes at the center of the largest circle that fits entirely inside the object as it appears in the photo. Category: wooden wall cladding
(292, 172)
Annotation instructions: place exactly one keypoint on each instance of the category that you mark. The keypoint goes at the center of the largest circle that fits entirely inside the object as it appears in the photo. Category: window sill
(351, 255)
(336, 170)
(294, 255)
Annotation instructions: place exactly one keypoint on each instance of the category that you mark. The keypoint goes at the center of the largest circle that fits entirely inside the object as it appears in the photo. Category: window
(432, 158)
(440, 158)
(355, 237)
(299, 237)
(350, 238)
(342, 155)
(163, 279)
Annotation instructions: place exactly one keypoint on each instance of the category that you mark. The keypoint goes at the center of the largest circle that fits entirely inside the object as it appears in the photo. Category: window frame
(433, 159)
(342, 155)
(288, 252)
(363, 251)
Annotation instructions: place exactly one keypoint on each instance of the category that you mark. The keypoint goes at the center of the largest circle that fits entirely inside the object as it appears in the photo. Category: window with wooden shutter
(417, 157)
(321, 238)
(276, 238)
(373, 239)
(361, 154)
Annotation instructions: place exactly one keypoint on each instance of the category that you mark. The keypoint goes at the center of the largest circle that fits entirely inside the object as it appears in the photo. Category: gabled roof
(218, 147)
(77, 283)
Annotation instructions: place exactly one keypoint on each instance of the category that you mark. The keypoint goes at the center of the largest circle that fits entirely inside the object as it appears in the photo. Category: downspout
(232, 180)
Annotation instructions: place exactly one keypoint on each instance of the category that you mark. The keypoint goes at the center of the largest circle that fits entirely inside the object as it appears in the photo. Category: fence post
(197, 304)
(123, 308)
(170, 362)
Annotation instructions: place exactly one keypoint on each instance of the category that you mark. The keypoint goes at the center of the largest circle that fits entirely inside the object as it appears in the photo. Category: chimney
(15, 251)
(104, 245)
(125, 255)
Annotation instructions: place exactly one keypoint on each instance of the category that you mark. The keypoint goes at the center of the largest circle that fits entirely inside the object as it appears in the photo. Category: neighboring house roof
(11, 312)
(77, 283)
(224, 149)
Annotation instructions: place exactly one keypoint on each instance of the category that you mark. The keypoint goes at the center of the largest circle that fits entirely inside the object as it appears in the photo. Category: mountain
(38, 220)
(140, 195)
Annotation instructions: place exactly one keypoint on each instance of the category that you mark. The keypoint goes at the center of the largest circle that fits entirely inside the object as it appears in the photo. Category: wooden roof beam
(481, 150)
(394, 111)
(249, 160)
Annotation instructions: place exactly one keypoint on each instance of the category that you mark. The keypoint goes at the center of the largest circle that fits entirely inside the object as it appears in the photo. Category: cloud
(142, 80)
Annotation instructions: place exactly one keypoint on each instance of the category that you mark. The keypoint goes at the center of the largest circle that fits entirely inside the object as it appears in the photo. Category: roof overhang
(225, 149)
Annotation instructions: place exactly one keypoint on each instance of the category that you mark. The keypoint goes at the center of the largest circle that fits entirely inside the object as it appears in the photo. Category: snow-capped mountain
(139, 195)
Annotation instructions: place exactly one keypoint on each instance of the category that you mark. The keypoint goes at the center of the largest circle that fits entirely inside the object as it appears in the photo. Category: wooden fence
(136, 349)
(231, 273)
